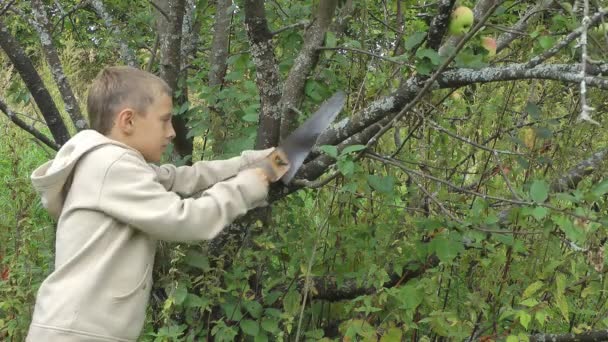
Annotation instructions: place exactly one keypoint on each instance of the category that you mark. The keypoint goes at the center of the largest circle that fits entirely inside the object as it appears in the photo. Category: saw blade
(298, 144)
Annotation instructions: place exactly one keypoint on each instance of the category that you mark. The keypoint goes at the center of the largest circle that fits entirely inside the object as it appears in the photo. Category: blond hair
(119, 87)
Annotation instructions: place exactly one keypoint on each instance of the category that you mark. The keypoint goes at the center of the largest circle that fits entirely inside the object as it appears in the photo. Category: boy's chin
(152, 159)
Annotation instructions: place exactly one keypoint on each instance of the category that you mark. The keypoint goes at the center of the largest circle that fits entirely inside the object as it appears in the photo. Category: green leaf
(560, 283)
(261, 337)
(539, 191)
(180, 293)
(424, 67)
(352, 43)
(232, 311)
(254, 308)
(414, 39)
(530, 302)
(541, 317)
(532, 288)
(512, 338)
(346, 167)
(251, 328)
(381, 184)
(271, 325)
(534, 110)
(524, 319)
(291, 302)
(562, 305)
(271, 297)
(467, 59)
(539, 213)
(198, 260)
(330, 39)
(445, 249)
(330, 150)
(194, 301)
(546, 42)
(601, 189)
(352, 148)
(565, 224)
(410, 296)
(431, 54)
(392, 334)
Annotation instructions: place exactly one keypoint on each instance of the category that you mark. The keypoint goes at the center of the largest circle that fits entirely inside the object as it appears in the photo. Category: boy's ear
(125, 120)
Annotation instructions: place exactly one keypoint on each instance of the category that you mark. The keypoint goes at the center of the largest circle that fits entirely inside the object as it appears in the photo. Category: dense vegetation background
(461, 196)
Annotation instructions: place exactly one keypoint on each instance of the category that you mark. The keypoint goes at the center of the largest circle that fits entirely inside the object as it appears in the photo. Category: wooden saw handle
(275, 165)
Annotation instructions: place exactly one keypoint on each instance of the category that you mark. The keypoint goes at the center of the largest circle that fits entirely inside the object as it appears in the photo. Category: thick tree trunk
(170, 67)
(293, 89)
(34, 83)
(267, 73)
(219, 56)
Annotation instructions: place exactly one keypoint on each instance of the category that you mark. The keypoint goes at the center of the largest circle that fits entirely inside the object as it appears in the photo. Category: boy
(112, 207)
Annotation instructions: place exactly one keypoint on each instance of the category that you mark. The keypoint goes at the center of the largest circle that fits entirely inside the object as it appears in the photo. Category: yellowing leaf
(530, 302)
(524, 318)
(562, 305)
(532, 288)
(392, 334)
(529, 137)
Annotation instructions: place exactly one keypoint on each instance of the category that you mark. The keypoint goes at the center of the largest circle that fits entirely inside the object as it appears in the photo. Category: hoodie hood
(52, 179)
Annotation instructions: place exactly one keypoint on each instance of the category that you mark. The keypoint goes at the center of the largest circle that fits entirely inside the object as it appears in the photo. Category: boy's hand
(261, 174)
(274, 165)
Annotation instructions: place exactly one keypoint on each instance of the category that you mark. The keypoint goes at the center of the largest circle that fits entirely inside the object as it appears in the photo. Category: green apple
(461, 20)
(489, 44)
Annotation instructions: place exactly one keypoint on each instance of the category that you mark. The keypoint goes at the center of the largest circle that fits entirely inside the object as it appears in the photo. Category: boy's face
(153, 130)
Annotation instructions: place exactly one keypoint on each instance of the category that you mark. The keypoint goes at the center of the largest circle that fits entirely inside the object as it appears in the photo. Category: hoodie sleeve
(188, 180)
(131, 194)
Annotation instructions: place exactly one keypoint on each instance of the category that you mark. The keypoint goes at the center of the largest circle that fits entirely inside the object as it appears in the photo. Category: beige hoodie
(112, 207)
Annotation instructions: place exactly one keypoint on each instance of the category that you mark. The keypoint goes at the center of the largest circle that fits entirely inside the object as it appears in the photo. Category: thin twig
(7, 7)
(468, 141)
(317, 183)
(504, 176)
(299, 24)
(160, 10)
(567, 40)
(365, 53)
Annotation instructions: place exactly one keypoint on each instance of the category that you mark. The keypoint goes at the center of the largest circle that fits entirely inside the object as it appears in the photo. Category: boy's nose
(171, 133)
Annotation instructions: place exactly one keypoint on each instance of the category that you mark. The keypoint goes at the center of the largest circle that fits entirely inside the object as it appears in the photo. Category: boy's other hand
(261, 174)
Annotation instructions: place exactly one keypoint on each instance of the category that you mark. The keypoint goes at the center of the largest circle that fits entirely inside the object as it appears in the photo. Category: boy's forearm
(139, 201)
(190, 180)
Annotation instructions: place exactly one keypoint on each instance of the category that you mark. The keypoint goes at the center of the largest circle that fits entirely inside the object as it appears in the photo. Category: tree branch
(439, 24)
(27, 127)
(571, 178)
(126, 53)
(34, 83)
(591, 336)
(567, 40)
(327, 287)
(42, 25)
(338, 133)
(7, 7)
(522, 24)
